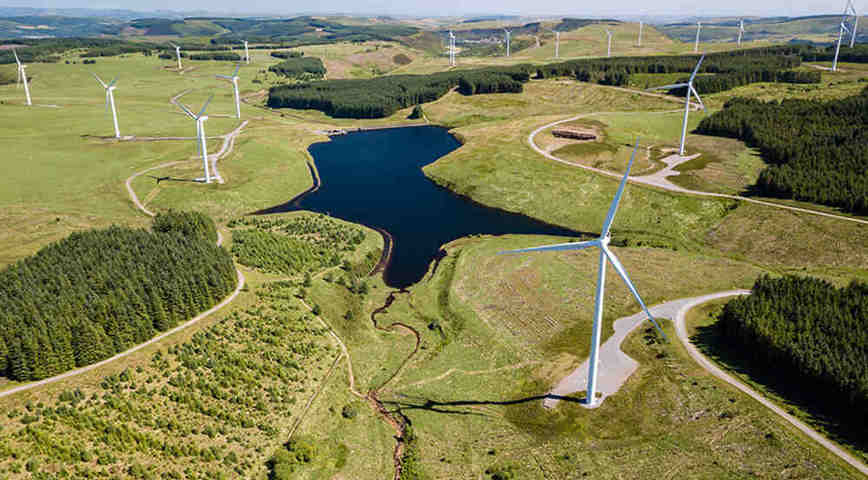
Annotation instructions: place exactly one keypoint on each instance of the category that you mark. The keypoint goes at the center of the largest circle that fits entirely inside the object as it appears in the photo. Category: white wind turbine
(110, 100)
(609, 49)
(233, 79)
(602, 242)
(557, 43)
(851, 9)
(641, 24)
(696, 44)
(200, 119)
(246, 53)
(507, 41)
(840, 38)
(690, 91)
(22, 77)
(451, 49)
(177, 54)
(740, 31)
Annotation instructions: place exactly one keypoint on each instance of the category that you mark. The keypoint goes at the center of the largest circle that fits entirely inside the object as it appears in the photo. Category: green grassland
(472, 392)
(495, 332)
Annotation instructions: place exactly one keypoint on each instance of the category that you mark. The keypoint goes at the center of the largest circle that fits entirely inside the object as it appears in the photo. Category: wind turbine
(233, 79)
(852, 10)
(178, 54)
(246, 54)
(557, 43)
(22, 77)
(840, 38)
(609, 50)
(451, 49)
(507, 41)
(200, 134)
(696, 45)
(740, 31)
(690, 91)
(110, 100)
(602, 242)
(641, 24)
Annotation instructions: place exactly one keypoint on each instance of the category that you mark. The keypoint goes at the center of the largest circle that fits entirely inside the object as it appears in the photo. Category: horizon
(505, 10)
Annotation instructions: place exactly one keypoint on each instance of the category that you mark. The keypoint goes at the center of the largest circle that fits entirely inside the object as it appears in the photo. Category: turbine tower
(200, 119)
(507, 41)
(851, 9)
(609, 49)
(690, 91)
(22, 77)
(451, 49)
(177, 54)
(840, 38)
(740, 31)
(233, 79)
(602, 242)
(246, 53)
(557, 43)
(110, 100)
(696, 45)
(641, 24)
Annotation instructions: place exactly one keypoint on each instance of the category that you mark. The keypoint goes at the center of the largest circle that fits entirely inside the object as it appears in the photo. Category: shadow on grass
(813, 398)
(451, 407)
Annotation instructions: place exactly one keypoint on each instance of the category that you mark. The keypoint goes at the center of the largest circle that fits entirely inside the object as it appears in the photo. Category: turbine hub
(605, 240)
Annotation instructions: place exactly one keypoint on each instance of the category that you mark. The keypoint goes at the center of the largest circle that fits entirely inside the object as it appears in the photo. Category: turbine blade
(613, 209)
(107, 101)
(187, 111)
(696, 94)
(237, 68)
(696, 70)
(225, 77)
(17, 60)
(99, 80)
(558, 247)
(202, 112)
(669, 87)
(623, 273)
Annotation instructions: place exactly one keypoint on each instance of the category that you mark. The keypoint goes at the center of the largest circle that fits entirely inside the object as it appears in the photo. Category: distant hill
(815, 28)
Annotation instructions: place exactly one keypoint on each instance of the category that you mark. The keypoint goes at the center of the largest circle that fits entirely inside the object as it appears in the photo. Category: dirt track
(660, 181)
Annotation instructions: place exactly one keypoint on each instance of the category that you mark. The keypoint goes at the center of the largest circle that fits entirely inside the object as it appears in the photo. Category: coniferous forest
(99, 292)
(817, 151)
(382, 96)
(809, 331)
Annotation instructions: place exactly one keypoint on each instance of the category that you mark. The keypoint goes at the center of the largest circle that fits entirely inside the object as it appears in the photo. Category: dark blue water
(375, 178)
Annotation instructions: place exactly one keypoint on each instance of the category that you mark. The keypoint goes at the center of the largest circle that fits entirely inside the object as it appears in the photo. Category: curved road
(615, 365)
(709, 366)
(659, 182)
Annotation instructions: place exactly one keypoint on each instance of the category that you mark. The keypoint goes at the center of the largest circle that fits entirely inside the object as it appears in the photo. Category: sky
(464, 7)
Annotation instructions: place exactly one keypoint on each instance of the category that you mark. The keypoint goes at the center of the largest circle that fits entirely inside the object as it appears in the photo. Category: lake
(375, 178)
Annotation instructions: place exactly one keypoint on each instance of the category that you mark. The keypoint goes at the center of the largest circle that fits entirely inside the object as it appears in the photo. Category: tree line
(810, 332)
(817, 150)
(300, 67)
(99, 292)
(382, 96)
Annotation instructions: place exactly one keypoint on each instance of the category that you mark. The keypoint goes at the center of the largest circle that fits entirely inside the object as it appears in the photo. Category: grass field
(472, 393)
(495, 332)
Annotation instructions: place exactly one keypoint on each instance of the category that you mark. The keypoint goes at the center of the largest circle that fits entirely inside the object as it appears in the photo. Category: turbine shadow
(421, 403)
(172, 179)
